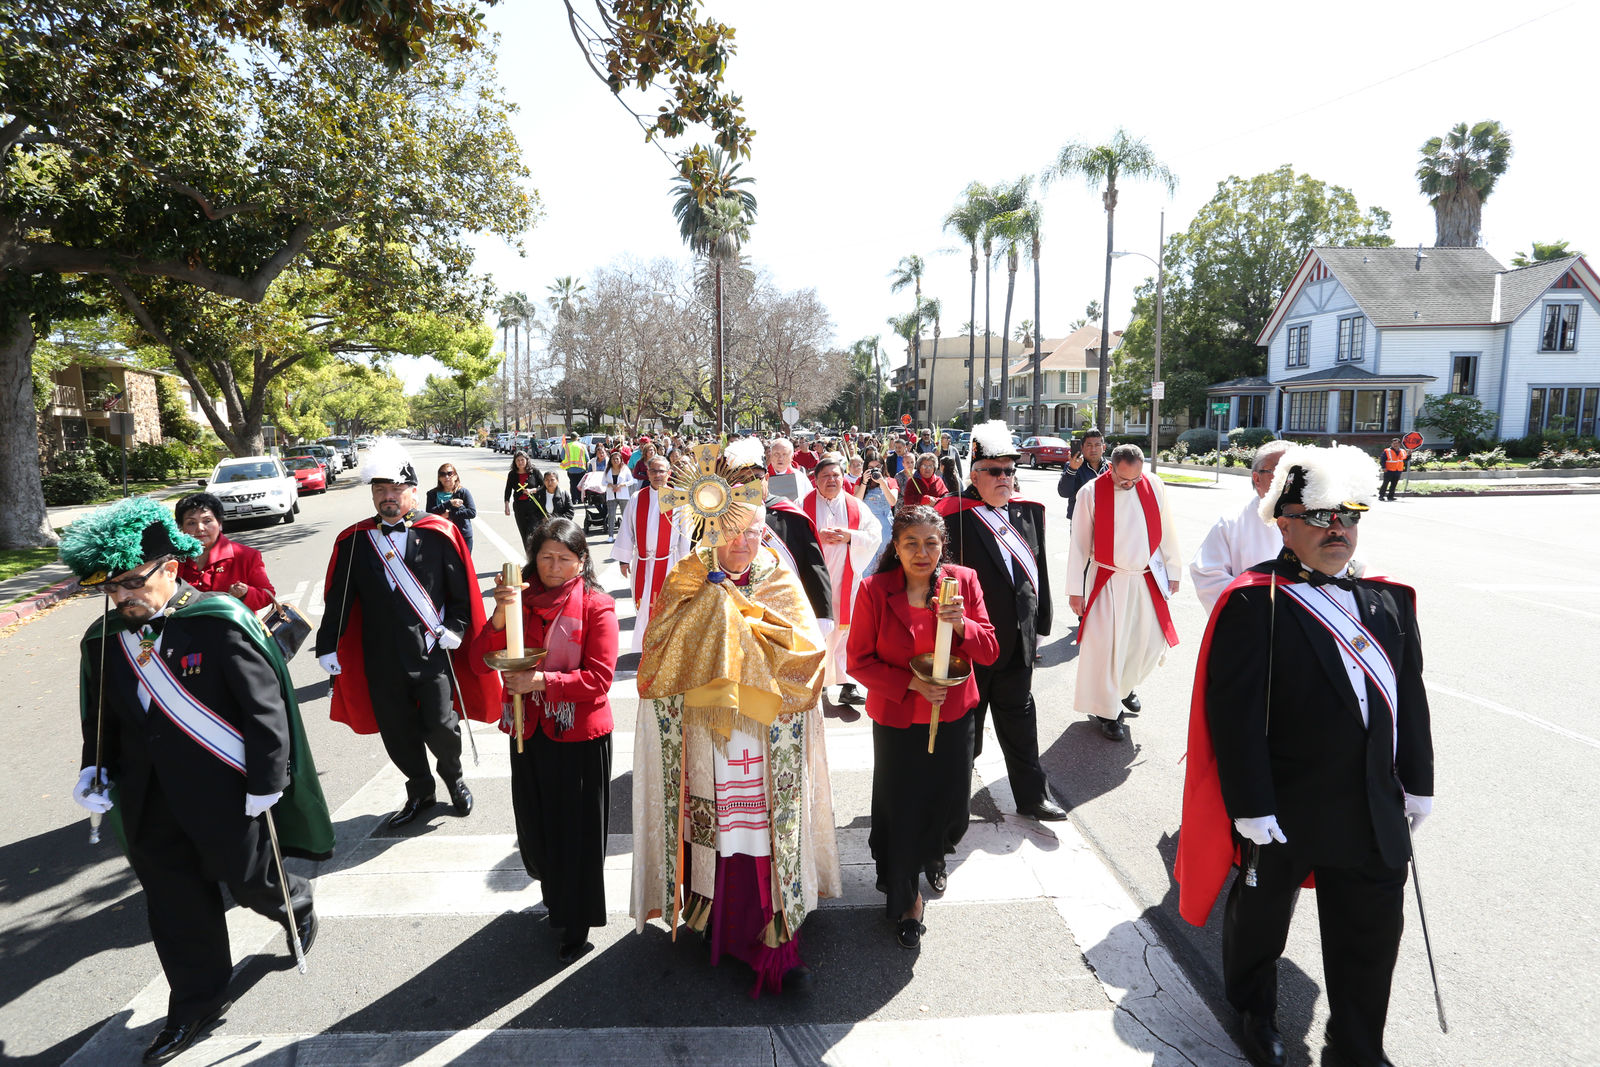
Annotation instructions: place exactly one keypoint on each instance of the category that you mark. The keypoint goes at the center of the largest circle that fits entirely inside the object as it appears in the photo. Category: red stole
(1105, 528)
(852, 511)
(663, 549)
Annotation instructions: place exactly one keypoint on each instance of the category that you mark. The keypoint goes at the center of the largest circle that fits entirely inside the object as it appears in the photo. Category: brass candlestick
(504, 661)
(922, 667)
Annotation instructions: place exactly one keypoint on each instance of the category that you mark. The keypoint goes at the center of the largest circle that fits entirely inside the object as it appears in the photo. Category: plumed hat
(121, 537)
(1339, 477)
(992, 440)
(387, 461)
(744, 460)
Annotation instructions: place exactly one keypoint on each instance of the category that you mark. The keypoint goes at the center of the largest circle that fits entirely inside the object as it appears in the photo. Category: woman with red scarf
(925, 486)
(561, 781)
(223, 566)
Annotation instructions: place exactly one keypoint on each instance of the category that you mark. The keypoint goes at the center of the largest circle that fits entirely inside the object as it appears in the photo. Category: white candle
(513, 578)
(943, 633)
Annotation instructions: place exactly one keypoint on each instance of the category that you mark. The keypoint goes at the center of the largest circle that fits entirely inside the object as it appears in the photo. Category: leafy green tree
(1459, 417)
(1124, 156)
(966, 219)
(1090, 314)
(1224, 276)
(367, 399)
(1457, 172)
(1015, 224)
(1543, 253)
(715, 209)
(176, 425)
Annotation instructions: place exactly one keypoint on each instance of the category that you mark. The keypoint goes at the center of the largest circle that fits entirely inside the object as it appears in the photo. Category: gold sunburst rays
(717, 509)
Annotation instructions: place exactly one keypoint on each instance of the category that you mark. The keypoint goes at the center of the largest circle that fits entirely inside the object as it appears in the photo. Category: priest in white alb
(1121, 571)
(1237, 543)
(648, 543)
(850, 537)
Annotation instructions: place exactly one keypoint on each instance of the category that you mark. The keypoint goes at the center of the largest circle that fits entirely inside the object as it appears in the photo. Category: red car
(1045, 452)
(308, 471)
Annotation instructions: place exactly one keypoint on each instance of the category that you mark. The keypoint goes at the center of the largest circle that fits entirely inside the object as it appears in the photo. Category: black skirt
(920, 803)
(561, 794)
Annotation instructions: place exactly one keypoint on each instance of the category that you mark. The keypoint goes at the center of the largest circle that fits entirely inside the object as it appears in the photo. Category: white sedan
(254, 487)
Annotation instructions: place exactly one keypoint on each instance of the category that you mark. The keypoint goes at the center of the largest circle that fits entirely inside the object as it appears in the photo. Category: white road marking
(1545, 724)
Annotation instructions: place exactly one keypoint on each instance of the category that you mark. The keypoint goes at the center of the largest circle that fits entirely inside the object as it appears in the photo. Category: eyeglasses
(138, 580)
(448, 474)
(996, 472)
(1322, 518)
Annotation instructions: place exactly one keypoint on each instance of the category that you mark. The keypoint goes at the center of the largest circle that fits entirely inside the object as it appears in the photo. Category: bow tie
(155, 625)
(1316, 578)
(397, 528)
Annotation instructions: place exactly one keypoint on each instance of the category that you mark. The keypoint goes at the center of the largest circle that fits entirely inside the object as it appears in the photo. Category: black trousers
(1360, 914)
(561, 796)
(1391, 482)
(188, 918)
(527, 517)
(921, 804)
(574, 476)
(414, 718)
(1005, 691)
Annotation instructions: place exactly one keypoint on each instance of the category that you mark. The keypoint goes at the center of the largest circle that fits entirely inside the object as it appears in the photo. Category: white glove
(1417, 809)
(449, 640)
(1263, 830)
(255, 803)
(329, 662)
(99, 803)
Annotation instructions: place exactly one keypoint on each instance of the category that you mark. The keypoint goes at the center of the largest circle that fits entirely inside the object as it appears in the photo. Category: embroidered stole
(1105, 529)
(852, 511)
(399, 573)
(1356, 641)
(655, 557)
(202, 725)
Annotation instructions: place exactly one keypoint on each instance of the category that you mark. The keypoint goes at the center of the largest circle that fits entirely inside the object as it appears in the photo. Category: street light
(716, 356)
(1157, 386)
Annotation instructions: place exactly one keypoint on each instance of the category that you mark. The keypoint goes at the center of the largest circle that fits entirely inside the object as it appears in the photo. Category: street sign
(791, 415)
(688, 418)
(1219, 407)
(122, 424)
(905, 420)
(1158, 391)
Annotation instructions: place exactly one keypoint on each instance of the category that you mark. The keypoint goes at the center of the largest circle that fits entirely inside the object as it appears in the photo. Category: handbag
(288, 627)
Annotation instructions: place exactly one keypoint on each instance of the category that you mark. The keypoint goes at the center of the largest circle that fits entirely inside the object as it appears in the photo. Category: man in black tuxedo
(190, 783)
(406, 688)
(1002, 538)
(1320, 777)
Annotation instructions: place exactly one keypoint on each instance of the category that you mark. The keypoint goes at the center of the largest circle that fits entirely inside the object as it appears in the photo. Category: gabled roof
(1235, 385)
(1078, 351)
(1399, 287)
(1347, 374)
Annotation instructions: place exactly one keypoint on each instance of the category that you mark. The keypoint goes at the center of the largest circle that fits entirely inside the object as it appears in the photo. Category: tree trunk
(716, 363)
(1038, 346)
(1110, 198)
(972, 335)
(987, 272)
(1458, 218)
(24, 521)
(1005, 337)
(933, 367)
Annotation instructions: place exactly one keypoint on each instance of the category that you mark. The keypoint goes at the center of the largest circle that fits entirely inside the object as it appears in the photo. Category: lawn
(15, 561)
(1183, 479)
(137, 487)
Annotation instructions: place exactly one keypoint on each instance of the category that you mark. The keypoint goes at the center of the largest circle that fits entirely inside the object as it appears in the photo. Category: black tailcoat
(1020, 613)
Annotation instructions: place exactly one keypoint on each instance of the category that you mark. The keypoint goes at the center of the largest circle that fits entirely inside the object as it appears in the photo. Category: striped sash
(409, 587)
(205, 727)
(1355, 640)
(1012, 543)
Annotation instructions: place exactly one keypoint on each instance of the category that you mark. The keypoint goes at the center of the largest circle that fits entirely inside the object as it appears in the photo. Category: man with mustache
(1309, 752)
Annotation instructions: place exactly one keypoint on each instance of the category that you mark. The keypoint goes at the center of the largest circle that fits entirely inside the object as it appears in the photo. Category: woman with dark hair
(618, 482)
(561, 780)
(453, 500)
(919, 800)
(877, 492)
(223, 566)
(925, 486)
(949, 470)
(522, 483)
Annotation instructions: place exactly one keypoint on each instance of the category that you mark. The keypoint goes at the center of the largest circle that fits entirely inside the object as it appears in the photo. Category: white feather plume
(745, 452)
(387, 459)
(993, 437)
(1338, 475)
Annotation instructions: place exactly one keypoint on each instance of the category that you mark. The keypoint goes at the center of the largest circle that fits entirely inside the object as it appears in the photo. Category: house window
(1141, 417)
(1299, 346)
(1344, 418)
(1252, 410)
(1352, 339)
(1063, 388)
(1464, 373)
(1308, 412)
(1560, 328)
(1569, 409)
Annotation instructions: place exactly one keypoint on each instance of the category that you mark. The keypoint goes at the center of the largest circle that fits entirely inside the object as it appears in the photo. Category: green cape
(304, 826)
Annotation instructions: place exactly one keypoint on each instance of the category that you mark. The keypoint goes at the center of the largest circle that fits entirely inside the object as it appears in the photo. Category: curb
(39, 601)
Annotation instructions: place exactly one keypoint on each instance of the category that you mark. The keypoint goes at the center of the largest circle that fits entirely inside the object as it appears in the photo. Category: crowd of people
(788, 586)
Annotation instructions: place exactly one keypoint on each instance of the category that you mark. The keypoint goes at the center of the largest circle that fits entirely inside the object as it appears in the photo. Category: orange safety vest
(1394, 459)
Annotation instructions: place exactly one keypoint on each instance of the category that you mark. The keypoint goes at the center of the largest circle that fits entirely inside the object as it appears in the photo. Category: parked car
(1045, 452)
(309, 472)
(331, 461)
(345, 447)
(254, 487)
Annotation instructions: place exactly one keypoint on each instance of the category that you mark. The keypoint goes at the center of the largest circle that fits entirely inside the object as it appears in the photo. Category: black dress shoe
(461, 798)
(1113, 728)
(1259, 1039)
(1044, 810)
(174, 1039)
(937, 878)
(1132, 703)
(909, 933)
(573, 941)
(850, 693)
(411, 809)
(306, 927)
(797, 980)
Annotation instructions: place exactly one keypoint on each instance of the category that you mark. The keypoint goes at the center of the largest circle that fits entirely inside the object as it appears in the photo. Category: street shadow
(1082, 765)
(62, 1050)
(619, 815)
(1063, 649)
(304, 694)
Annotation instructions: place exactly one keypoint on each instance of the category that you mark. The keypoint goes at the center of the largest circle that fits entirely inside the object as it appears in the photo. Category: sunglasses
(1322, 518)
(138, 580)
(996, 472)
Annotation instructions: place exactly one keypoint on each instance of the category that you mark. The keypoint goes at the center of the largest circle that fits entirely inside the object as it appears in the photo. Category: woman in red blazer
(925, 486)
(919, 800)
(561, 781)
(223, 566)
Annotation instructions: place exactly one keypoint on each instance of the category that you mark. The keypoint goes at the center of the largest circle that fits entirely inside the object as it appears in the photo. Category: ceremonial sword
(1416, 883)
(99, 729)
(461, 699)
(283, 884)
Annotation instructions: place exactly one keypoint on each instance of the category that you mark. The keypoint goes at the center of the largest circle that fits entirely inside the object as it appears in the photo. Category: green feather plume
(112, 538)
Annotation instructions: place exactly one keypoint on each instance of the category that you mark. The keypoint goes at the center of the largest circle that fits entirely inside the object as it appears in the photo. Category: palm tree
(715, 210)
(507, 311)
(1012, 223)
(932, 309)
(1122, 157)
(909, 272)
(1457, 173)
(966, 218)
(1543, 252)
(907, 327)
(564, 301)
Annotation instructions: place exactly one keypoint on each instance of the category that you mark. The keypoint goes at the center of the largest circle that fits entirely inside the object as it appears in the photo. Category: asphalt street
(1505, 590)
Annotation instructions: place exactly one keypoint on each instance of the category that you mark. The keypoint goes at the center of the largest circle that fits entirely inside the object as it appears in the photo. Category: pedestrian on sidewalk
(561, 778)
(921, 801)
(223, 565)
(454, 501)
(1310, 751)
(190, 733)
(1395, 460)
(401, 596)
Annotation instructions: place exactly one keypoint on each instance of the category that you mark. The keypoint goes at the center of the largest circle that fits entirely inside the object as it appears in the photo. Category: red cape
(1205, 838)
(954, 505)
(352, 704)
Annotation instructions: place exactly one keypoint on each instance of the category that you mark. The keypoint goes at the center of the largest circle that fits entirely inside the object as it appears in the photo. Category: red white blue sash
(1355, 640)
(205, 727)
(1011, 542)
(409, 587)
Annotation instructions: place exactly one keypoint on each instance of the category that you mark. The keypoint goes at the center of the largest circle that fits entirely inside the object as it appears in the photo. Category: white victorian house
(1362, 335)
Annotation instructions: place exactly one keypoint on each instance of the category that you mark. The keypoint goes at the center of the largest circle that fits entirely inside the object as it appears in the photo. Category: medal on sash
(147, 645)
